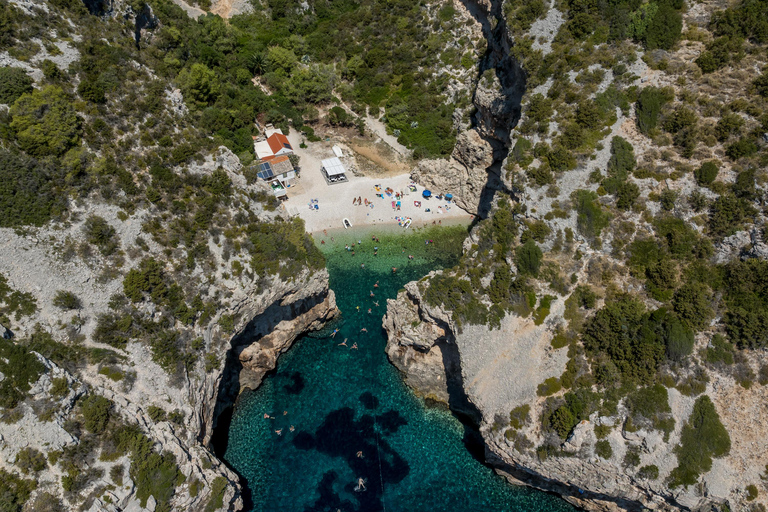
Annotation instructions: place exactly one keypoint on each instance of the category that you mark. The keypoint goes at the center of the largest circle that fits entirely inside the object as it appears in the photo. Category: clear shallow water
(345, 402)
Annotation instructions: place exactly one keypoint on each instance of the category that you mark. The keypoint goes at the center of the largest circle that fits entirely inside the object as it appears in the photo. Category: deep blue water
(345, 402)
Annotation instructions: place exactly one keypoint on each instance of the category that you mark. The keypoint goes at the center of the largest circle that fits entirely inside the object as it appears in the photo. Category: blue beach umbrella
(426, 193)
(449, 196)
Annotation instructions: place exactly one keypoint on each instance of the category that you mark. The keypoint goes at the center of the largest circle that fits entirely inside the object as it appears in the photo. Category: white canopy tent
(333, 171)
(333, 166)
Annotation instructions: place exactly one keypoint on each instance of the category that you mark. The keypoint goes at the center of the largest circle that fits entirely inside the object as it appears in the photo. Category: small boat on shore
(347, 224)
(407, 223)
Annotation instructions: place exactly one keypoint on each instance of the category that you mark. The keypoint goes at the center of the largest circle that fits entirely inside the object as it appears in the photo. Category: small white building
(333, 170)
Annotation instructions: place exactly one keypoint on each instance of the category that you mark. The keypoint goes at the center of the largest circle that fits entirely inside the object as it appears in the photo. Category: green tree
(280, 58)
(706, 173)
(692, 303)
(13, 83)
(199, 84)
(703, 437)
(664, 29)
(45, 122)
(528, 258)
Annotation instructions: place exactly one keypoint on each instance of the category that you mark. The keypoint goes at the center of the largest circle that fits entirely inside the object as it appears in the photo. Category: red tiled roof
(278, 141)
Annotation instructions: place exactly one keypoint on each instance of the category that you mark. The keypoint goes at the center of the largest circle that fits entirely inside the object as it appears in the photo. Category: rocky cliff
(494, 371)
(268, 313)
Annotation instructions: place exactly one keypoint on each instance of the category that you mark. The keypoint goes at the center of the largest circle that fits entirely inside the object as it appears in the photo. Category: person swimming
(394, 269)
(343, 343)
(354, 346)
(333, 334)
(376, 285)
(363, 330)
(377, 304)
(369, 311)
(279, 432)
(291, 428)
(372, 295)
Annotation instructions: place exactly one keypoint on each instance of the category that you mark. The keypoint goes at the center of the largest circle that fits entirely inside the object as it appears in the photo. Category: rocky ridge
(271, 314)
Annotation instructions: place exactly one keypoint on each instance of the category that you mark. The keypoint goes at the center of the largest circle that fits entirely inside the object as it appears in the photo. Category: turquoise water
(344, 402)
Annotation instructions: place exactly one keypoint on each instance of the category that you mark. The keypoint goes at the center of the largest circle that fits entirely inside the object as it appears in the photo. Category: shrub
(648, 108)
(603, 449)
(743, 147)
(591, 218)
(28, 191)
(703, 437)
(15, 491)
(155, 413)
(96, 413)
(20, 369)
(728, 125)
(66, 300)
(650, 472)
(720, 350)
(13, 83)
(549, 387)
(30, 460)
(707, 173)
(218, 487)
(519, 416)
(649, 407)
(101, 234)
(751, 492)
(45, 122)
(622, 161)
(727, 214)
(761, 84)
(528, 258)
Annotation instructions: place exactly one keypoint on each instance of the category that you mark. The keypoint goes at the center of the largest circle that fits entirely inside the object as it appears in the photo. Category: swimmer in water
(372, 295)
(363, 330)
(343, 343)
(333, 334)
(377, 304)
(394, 269)
(291, 428)
(279, 432)
(376, 285)
(354, 346)
(369, 311)
(267, 416)
(285, 412)
(360, 454)
(358, 308)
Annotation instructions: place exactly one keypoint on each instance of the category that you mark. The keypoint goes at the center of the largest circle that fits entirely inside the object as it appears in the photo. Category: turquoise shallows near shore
(344, 432)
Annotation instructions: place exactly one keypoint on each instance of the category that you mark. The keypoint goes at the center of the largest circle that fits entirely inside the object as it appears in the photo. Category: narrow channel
(351, 414)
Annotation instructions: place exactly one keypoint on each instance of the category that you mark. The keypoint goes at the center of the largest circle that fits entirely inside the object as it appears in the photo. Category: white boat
(407, 223)
(347, 224)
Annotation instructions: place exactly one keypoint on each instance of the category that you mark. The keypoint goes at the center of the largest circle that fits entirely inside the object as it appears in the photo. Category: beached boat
(407, 223)
(347, 224)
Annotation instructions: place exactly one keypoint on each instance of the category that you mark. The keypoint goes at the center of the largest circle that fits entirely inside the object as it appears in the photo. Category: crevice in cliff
(504, 113)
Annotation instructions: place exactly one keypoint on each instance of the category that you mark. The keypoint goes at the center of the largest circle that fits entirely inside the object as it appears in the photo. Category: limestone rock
(464, 175)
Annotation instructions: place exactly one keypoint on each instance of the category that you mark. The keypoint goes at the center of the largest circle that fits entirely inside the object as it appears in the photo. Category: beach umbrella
(426, 193)
(449, 196)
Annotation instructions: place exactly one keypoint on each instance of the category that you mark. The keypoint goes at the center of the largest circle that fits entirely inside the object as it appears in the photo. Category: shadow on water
(362, 444)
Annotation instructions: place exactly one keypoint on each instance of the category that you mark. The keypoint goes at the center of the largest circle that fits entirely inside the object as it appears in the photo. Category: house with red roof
(276, 144)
